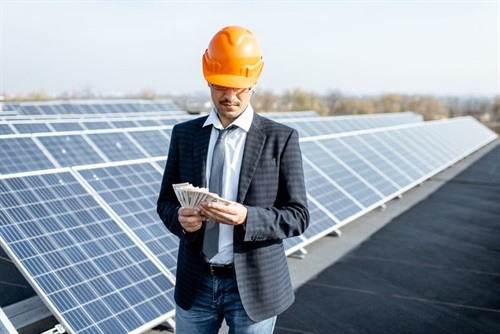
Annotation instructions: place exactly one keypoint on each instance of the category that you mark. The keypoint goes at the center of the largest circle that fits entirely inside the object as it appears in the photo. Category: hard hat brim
(232, 81)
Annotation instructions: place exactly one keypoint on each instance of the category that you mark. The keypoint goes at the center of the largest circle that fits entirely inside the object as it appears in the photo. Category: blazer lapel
(251, 157)
(200, 149)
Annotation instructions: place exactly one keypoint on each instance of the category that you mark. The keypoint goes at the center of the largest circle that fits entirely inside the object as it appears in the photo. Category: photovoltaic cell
(22, 155)
(91, 274)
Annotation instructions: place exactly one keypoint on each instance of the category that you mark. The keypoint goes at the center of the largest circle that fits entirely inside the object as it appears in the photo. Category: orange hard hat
(233, 58)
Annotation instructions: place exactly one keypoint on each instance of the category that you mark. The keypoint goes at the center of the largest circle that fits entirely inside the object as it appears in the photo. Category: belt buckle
(211, 269)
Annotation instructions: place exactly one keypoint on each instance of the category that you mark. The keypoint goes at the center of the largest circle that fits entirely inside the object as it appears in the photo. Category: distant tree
(390, 103)
(355, 106)
(495, 114)
(331, 102)
(429, 107)
(265, 101)
(148, 94)
(298, 100)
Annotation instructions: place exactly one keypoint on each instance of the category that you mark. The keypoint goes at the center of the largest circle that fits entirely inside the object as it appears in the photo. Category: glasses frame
(225, 89)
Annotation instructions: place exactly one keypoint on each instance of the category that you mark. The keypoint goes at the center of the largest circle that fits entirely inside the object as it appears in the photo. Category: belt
(219, 270)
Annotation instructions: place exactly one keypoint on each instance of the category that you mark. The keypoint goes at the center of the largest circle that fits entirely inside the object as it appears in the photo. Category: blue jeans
(218, 299)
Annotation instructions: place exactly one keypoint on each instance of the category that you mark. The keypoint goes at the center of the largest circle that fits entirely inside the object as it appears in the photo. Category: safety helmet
(233, 58)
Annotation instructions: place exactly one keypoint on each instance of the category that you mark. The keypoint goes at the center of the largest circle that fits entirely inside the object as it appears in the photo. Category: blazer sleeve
(288, 215)
(167, 204)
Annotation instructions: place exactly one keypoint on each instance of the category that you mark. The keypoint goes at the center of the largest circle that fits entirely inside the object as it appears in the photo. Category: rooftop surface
(429, 263)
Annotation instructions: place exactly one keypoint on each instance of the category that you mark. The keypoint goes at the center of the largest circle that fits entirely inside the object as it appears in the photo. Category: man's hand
(232, 214)
(191, 220)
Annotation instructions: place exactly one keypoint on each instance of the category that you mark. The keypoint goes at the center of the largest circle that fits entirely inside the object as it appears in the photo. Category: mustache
(226, 100)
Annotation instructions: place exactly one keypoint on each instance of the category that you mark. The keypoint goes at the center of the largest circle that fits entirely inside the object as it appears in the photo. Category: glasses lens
(223, 89)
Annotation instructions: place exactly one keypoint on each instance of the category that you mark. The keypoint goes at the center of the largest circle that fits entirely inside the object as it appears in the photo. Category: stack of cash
(191, 197)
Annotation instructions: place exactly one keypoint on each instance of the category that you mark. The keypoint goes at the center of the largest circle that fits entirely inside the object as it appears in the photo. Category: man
(260, 173)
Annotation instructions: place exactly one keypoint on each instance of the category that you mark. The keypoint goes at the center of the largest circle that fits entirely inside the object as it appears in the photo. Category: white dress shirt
(235, 146)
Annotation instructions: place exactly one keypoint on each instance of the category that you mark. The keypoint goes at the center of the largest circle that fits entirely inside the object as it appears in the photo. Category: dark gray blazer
(271, 186)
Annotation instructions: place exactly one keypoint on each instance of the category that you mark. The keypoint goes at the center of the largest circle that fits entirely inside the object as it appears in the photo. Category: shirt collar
(244, 121)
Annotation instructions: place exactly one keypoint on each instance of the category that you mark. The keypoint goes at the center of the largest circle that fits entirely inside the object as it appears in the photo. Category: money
(190, 197)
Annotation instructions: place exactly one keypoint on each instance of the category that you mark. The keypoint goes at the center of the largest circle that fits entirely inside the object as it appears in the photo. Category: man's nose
(230, 92)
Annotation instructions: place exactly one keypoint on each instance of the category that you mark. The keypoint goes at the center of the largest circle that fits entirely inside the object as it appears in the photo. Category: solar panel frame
(6, 326)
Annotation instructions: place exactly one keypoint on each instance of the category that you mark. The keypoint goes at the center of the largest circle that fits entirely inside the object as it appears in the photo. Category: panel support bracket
(335, 233)
(299, 254)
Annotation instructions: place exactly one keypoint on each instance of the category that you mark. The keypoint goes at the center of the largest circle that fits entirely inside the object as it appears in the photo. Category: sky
(353, 47)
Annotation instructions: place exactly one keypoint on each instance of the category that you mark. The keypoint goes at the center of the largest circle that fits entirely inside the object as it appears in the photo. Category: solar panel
(94, 107)
(97, 125)
(66, 126)
(92, 275)
(5, 129)
(71, 150)
(21, 154)
(116, 146)
(124, 124)
(155, 142)
(32, 127)
(131, 192)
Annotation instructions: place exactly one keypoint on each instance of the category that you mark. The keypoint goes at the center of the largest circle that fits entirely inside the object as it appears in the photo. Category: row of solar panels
(101, 218)
(88, 107)
(23, 126)
(350, 174)
(306, 122)
(45, 150)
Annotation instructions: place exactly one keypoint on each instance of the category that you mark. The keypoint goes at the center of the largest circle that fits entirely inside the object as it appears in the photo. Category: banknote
(191, 197)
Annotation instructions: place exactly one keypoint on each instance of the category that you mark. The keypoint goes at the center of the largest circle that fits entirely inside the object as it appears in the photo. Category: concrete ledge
(30, 316)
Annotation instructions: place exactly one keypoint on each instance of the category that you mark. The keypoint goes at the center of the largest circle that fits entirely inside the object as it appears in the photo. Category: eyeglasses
(225, 89)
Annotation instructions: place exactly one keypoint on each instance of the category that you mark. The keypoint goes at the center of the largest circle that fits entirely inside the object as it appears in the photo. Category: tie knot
(224, 132)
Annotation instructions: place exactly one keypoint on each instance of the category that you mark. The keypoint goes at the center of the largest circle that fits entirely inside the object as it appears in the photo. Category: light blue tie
(211, 239)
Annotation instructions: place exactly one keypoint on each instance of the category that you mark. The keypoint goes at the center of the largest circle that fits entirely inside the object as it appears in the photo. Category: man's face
(230, 102)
